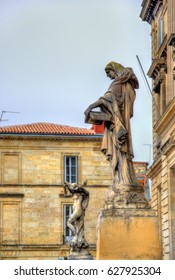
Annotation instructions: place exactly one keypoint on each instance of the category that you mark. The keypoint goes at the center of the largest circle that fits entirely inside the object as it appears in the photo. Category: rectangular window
(160, 34)
(71, 169)
(68, 210)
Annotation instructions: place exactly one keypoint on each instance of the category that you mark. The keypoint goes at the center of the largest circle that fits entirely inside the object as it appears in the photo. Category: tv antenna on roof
(4, 112)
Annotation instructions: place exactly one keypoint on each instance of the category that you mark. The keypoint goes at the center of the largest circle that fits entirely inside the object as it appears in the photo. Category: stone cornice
(95, 137)
(157, 7)
(32, 247)
(148, 7)
(47, 185)
(156, 65)
(7, 194)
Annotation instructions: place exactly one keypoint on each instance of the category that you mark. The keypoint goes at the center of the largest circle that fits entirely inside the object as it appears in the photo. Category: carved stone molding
(156, 66)
(6, 194)
(136, 198)
(171, 40)
(126, 197)
(124, 213)
(159, 78)
(147, 13)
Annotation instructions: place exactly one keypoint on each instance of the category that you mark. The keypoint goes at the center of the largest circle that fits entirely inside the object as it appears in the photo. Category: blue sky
(53, 54)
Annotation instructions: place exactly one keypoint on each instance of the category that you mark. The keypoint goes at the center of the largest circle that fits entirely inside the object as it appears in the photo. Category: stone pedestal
(127, 227)
(83, 254)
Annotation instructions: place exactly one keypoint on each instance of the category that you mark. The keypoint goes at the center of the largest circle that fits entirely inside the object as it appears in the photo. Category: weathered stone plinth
(79, 249)
(127, 227)
(83, 254)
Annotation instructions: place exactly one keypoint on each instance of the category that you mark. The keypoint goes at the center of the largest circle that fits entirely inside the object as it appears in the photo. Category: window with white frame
(68, 209)
(71, 169)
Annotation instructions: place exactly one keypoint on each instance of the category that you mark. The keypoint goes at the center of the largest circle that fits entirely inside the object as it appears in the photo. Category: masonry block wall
(32, 198)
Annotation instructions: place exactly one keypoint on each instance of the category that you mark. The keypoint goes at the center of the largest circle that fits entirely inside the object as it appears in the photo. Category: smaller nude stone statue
(76, 220)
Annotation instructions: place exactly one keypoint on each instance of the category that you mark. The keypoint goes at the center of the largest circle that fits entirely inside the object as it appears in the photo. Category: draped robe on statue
(117, 141)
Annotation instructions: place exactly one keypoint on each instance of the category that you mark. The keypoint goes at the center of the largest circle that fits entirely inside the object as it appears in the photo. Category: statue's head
(114, 69)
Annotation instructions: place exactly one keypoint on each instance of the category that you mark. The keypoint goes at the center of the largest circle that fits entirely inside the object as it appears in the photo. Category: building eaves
(45, 129)
(60, 137)
(148, 7)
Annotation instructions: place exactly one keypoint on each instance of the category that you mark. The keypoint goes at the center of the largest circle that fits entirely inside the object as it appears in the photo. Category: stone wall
(31, 194)
(163, 200)
(32, 198)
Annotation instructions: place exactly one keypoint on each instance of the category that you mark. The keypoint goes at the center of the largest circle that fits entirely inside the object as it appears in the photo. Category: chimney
(99, 129)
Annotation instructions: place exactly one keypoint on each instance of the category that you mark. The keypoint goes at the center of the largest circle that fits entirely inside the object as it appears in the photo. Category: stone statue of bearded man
(116, 105)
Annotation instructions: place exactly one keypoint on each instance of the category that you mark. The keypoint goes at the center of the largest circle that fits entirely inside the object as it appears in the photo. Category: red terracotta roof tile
(45, 128)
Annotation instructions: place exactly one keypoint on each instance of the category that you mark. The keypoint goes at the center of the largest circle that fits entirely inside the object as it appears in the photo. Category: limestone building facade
(36, 160)
(160, 14)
